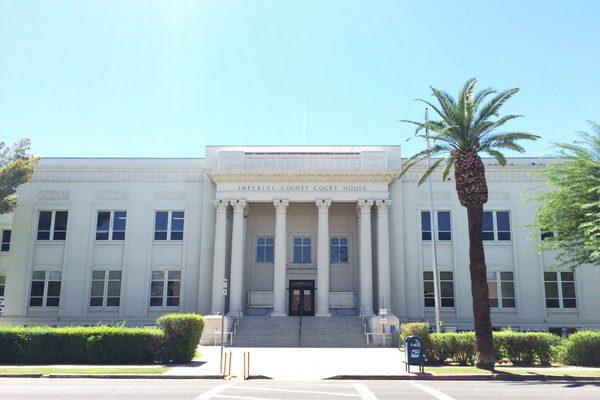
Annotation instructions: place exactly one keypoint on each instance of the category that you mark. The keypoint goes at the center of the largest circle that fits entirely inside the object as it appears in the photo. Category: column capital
(281, 204)
(221, 205)
(364, 206)
(383, 205)
(323, 205)
(238, 205)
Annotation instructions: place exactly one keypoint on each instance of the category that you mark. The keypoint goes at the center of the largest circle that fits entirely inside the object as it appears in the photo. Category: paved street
(130, 389)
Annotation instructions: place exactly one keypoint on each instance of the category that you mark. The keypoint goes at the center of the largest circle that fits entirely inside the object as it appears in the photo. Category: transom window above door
(302, 250)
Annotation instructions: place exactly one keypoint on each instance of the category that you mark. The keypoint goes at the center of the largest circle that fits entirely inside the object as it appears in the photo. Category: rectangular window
(302, 250)
(444, 226)
(110, 225)
(6, 234)
(560, 289)
(496, 226)
(106, 289)
(446, 289)
(45, 289)
(338, 251)
(168, 225)
(165, 288)
(264, 249)
(52, 225)
(2, 285)
(501, 287)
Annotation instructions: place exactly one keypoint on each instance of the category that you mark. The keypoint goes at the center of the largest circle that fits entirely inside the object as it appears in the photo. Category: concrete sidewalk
(300, 363)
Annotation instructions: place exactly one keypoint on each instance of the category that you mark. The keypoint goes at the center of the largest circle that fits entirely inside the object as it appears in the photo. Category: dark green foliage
(176, 341)
(526, 348)
(182, 334)
(582, 348)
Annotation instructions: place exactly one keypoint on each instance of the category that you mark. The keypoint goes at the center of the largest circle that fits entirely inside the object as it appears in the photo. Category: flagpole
(433, 222)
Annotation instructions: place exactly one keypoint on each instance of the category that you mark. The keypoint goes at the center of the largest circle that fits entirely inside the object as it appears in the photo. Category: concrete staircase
(293, 332)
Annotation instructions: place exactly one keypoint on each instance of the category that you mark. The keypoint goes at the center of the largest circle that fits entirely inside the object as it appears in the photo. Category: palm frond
(492, 107)
(497, 155)
(448, 167)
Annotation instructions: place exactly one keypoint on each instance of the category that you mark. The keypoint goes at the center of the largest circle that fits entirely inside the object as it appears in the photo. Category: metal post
(433, 220)
(223, 323)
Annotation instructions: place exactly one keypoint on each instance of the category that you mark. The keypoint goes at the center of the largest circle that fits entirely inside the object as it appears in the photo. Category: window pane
(174, 275)
(103, 221)
(297, 254)
(269, 256)
(508, 289)
(335, 254)
(427, 275)
(506, 276)
(5, 247)
(567, 276)
(306, 241)
(44, 220)
(113, 302)
(176, 235)
(114, 275)
(493, 290)
(569, 303)
(443, 220)
(487, 236)
(177, 221)
(552, 303)
(344, 254)
(37, 288)
(59, 235)
(156, 301)
(425, 221)
(445, 276)
(161, 221)
(52, 301)
(60, 221)
(444, 235)
(173, 288)
(37, 275)
(97, 288)
(428, 288)
(488, 221)
(98, 275)
(503, 220)
(568, 290)
(551, 290)
(429, 302)
(54, 275)
(550, 276)
(426, 236)
(158, 275)
(114, 289)
(118, 235)
(508, 303)
(43, 235)
(156, 289)
(101, 235)
(504, 236)
(120, 220)
(54, 288)
(172, 301)
(6, 235)
(35, 302)
(446, 289)
(160, 235)
(95, 301)
(493, 302)
(447, 302)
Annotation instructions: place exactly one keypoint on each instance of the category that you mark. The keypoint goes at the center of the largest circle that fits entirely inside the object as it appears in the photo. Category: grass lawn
(84, 370)
(561, 371)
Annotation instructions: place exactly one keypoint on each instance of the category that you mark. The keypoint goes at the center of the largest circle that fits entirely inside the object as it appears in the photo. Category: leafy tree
(466, 127)
(16, 167)
(572, 210)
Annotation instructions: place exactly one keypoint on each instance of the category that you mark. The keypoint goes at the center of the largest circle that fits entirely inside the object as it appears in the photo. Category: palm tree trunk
(485, 358)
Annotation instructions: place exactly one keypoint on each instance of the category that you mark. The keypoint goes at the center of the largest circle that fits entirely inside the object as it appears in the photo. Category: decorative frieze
(170, 196)
(53, 195)
(111, 195)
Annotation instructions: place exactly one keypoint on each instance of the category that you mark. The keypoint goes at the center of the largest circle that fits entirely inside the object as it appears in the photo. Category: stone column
(237, 257)
(366, 262)
(323, 259)
(383, 254)
(279, 264)
(219, 255)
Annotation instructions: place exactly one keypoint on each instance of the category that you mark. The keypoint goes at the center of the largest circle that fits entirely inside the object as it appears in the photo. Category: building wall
(84, 186)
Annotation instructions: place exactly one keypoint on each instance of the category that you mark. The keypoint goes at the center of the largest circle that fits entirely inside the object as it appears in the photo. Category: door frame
(302, 285)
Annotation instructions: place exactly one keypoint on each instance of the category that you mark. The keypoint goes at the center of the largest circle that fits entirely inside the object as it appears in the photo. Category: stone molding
(238, 177)
(53, 195)
(168, 195)
(323, 205)
(365, 205)
(281, 205)
(111, 195)
(239, 206)
(49, 175)
(383, 205)
(221, 205)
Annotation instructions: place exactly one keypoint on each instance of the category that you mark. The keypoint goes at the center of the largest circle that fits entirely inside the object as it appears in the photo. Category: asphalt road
(129, 389)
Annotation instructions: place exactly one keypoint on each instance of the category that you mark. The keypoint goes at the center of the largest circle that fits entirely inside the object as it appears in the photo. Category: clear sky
(165, 78)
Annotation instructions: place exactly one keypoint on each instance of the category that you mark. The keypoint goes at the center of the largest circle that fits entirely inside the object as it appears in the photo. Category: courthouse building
(328, 231)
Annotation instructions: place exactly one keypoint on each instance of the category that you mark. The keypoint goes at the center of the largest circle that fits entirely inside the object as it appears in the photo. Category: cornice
(114, 175)
(240, 176)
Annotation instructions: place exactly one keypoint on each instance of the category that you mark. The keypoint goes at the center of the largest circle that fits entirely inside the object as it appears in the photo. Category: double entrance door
(302, 298)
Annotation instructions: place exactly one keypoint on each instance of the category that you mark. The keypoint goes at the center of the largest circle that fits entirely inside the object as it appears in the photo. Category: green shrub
(108, 345)
(464, 348)
(182, 335)
(441, 348)
(526, 348)
(582, 348)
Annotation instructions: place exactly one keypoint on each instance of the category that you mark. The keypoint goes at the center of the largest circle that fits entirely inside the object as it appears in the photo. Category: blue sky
(165, 78)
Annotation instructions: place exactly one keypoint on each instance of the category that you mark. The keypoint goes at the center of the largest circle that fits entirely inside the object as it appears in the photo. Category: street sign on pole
(383, 311)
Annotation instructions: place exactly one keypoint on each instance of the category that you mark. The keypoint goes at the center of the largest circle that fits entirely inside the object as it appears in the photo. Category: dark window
(503, 224)
(168, 225)
(106, 289)
(6, 234)
(165, 288)
(425, 225)
(501, 288)
(103, 225)
(560, 290)
(177, 218)
(264, 249)
(446, 289)
(338, 251)
(119, 225)
(111, 225)
(52, 225)
(444, 227)
(302, 250)
(60, 225)
(44, 225)
(2, 284)
(488, 225)
(45, 289)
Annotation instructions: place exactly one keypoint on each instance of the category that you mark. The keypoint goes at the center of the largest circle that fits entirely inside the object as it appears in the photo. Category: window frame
(165, 288)
(111, 230)
(498, 281)
(2, 285)
(339, 246)
(440, 280)
(437, 226)
(45, 296)
(264, 249)
(302, 246)
(559, 283)
(169, 229)
(106, 280)
(52, 231)
(495, 231)
(3, 243)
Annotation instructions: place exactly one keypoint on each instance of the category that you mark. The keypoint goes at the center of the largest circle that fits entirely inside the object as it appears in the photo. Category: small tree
(572, 210)
(16, 167)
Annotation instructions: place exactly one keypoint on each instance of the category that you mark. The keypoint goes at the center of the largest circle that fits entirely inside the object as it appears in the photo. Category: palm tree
(466, 127)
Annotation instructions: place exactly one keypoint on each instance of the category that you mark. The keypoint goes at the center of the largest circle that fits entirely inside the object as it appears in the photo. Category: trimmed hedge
(102, 344)
(520, 348)
(581, 348)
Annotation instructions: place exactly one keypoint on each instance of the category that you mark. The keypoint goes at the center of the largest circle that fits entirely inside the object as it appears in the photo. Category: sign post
(413, 350)
(225, 284)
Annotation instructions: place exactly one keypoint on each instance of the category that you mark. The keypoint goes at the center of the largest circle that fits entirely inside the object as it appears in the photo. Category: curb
(474, 377)
(111, 376)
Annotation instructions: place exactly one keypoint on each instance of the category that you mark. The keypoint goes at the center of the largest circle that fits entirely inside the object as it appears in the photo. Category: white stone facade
(271, 219)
